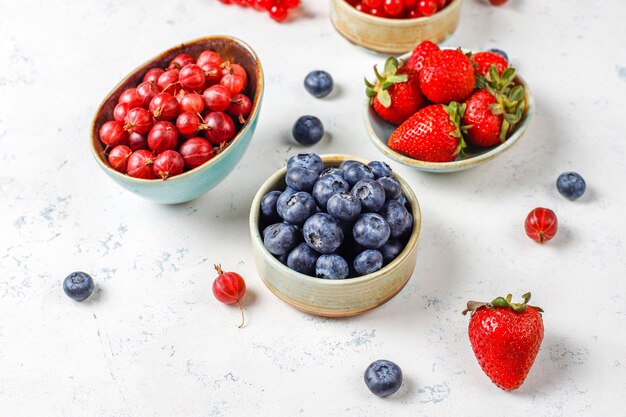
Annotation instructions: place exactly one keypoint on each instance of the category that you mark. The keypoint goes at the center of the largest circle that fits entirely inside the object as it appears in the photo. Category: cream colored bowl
(333, 298)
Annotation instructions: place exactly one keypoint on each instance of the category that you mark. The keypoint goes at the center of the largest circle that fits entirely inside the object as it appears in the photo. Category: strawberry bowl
(380, 132)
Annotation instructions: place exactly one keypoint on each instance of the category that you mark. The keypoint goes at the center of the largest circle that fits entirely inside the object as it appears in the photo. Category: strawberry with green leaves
(447, 76)
(433, 134)
(484, 61)
(396, 93)
(505, 337)
(493, 111)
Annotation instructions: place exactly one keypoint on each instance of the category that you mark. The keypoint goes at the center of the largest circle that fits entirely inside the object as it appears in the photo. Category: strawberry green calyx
(501, 302)
(455, 111)
(383, 81)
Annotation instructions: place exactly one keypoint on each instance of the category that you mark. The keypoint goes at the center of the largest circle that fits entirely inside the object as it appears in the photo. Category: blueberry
(344, 206)
(371, 194)
(402, 199)
(299, 207)
(391, 250)
(380, 169)
(328, 186)
(500, 52)
(318, 83)
(357, 172)
(301, 179)
(323, 233)
(308, 160)
(391, 186)
(383, 377)
(78, 286)
(368, 261)
(282, 258)
(399, 219)
(332, 171)
(308, 130)
(302, 259)
(571, 185)
(347, 164)
(268, 205)
(371, 231)
(280, 238)
(331, 267)
(281, 202)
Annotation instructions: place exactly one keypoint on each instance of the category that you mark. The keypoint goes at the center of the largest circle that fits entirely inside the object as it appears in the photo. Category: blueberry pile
(336, 222)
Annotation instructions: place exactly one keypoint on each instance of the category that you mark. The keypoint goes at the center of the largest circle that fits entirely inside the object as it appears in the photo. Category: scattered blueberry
(78, 286)
(571, 185)
(302, 259)
(323, 233)
(344, 206)
(332, 171)
(331, 267)
(371, 194)
(380, 169)
(281, 202)
(301, 179)
(308, 130)
(383, 377)
(328, 186)
(371, 231)
(280, 238)
(500, 52)
(308, 160)
(391, 186)
(391, 250)
(347, 164)
(397, 216)
(268, 205)
(318, 83)
(299, 207)
(368, 261)
(357, 172)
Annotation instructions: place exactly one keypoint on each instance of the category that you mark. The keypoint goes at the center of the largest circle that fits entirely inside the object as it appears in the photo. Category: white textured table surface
(154, 342)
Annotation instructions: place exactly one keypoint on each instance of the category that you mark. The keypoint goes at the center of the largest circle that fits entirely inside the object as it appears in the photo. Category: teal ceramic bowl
(379, 132)
(193, 183)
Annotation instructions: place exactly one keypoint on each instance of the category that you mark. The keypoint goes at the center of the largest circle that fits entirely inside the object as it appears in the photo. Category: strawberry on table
(447, 75)
(505, 337)
(420, 54)
(432, 134)
(484, 61)
(396, 94)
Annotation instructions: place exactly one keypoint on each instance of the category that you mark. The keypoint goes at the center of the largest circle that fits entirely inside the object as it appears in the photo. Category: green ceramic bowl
(193, 183)
(379, 132)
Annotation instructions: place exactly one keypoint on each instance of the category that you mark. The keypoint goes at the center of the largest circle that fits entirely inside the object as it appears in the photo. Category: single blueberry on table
(326, 187)
(368, 261)
(391, 250)
(500, 52)
(571, 185)
(299, 207)
(323, 233)
(268, 205)
(380, 169)
(78, 286)
(318, 83)
(357, 172)
(391, 186)
(371, 231)
(383, 377)
(281, 202)
(308, 160)
(344, 206)
(371, 194)
(332, 171)
(308, 130)
(280, 238)
(301, 179)
(331, 266)
(347, 164)
(399, 219)
(302, 259)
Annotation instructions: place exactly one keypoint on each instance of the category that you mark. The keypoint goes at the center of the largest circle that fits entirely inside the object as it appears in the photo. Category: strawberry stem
(501, 302)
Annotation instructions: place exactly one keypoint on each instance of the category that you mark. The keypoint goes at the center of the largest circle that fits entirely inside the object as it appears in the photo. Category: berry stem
(501, 302)
(242, 315)
(218, 268)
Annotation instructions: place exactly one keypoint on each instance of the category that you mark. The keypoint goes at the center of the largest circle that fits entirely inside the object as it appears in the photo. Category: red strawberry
(492, 112)
(432, 134)
(422, 52)
(484, 61)
(506, 338)
(448, 75)
(396, 95)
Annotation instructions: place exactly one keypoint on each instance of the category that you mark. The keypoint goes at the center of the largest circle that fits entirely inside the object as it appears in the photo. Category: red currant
(195, 152)
(168, 164)
(278, 13)
(541, 224)
(427, 7)
(393, 7)
(372, 3)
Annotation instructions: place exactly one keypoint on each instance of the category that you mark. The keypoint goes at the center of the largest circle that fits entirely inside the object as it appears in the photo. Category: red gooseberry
(180, 61)
(209, 56)
(192, 102)
(541, 224)
(137, 141)
(189, 124)
(120, 111)
(164, 106)
(195, 152)
(192, 77)
(118, 158)
(138, 120)
(169, 82)
(229, 288)
(220, 127)
(235, 69)
(212, 73)
(162, 136)
(140, 165)
(217, 97)
(168, 164)
(112, 134)
(146, 91)
(233, 82)
(131, 97)
(153, 75)
(240, 107)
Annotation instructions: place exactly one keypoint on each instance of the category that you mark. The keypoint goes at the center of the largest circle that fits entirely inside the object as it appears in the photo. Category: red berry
(541, 224)
(162, 136)
(137, 141)
(138, 120)
(212, 73)
(291, 4)
(140, 165)
(372, 3)
(192, 77)
(229, 288)
(180, 61)
(378, 12)
(112, 134)
(217, 97)
(169, 82)
(153, 75)
(220, 127)
(441, 4)
(240, 107)
(120, 111)
(164, 106)
(235, 69)
(146, 91)
(427, 7)
(410, 4)
(195, 152)
(278, 13)
(393, 7)
(209, 56)
(189, 124)
(233, 82)
(168, 164)
(131, 97)
(192, 102)
(497, 2)
(118, 158)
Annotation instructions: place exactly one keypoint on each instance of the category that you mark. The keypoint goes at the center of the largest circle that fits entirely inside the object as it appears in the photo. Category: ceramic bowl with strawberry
(446, 110)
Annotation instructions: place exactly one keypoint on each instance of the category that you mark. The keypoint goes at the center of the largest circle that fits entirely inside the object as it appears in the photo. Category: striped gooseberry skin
(541, 224)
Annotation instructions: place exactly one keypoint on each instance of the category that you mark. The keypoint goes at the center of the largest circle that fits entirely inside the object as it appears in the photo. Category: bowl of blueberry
(335, 235)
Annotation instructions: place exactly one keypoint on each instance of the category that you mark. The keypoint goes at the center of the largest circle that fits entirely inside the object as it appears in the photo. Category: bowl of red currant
(395, 26)
(176, 126)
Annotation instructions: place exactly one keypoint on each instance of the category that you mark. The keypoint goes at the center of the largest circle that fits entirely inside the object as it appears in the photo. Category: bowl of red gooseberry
(395, 26)
(176, 126)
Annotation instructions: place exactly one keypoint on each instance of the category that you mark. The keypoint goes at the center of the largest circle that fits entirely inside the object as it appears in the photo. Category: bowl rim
(456, 164)
(269, 184)
(397, 22)
(256, 104)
